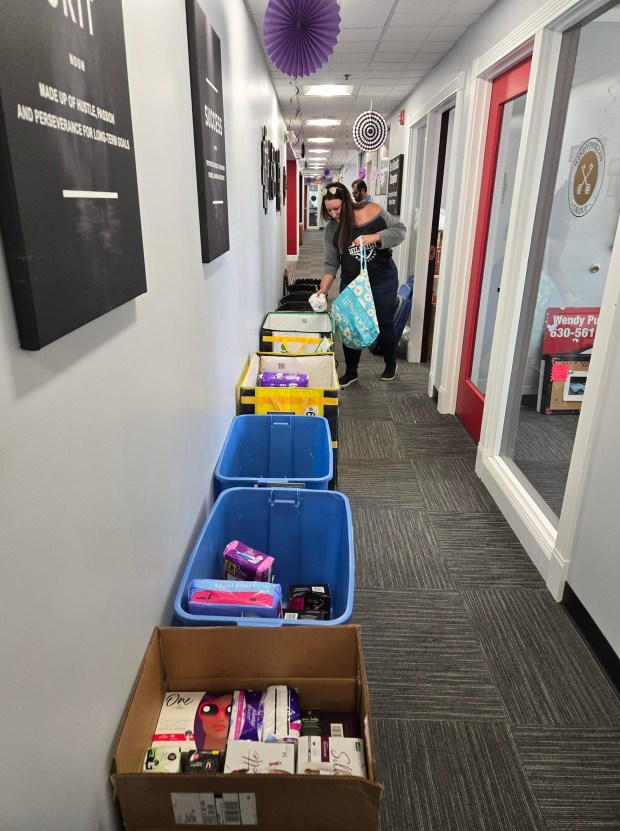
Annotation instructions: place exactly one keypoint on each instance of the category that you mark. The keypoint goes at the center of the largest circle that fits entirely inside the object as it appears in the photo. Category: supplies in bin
(252, 731)
(163, 760)
(235, 597)
(329, 723)
(310, 601)
(203, 761)
(245, 718)
(270, 716)
(282, 379)
(194, 720)
(331, 756)
(272, 720)
(280, 714)
(259, 757)
(244, 563)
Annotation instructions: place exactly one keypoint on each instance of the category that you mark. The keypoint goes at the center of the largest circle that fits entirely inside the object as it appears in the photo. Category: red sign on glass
(570, 330)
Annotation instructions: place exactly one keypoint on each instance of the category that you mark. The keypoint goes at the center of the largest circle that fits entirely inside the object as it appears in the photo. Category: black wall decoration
(68, 201)
(278, 182)
(395, 184)
(205, 65)
(270, 172)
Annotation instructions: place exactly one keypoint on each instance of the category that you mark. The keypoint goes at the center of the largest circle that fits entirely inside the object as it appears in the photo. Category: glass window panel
(570, 276)
(503, 188)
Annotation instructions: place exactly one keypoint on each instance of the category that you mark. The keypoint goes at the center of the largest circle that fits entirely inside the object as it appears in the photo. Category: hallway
(490, 711)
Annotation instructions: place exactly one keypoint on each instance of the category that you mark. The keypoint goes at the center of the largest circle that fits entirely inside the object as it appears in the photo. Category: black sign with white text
(205, 63)
(69, 207)
(395, 184)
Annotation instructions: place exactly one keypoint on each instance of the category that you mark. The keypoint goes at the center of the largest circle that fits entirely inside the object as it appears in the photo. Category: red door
(496, 189)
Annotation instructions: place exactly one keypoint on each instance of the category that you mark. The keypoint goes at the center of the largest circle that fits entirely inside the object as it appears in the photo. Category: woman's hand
(367, 239)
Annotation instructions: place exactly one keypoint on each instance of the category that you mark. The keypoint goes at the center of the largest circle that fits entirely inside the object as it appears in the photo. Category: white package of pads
(280, 714)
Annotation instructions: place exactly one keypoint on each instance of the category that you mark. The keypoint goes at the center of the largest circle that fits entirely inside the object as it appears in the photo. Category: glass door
(578, 212)
(500, 163)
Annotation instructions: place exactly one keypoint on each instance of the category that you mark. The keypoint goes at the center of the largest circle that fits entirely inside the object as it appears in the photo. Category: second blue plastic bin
(309, 533)
(275, 449)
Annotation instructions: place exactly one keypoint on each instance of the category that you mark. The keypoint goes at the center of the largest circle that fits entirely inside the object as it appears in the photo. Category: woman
(348, 225)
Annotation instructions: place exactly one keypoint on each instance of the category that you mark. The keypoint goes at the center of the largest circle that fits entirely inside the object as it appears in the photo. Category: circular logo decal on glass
(586, 177)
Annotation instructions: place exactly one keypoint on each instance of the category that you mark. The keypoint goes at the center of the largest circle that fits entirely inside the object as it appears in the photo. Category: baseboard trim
(598, 643)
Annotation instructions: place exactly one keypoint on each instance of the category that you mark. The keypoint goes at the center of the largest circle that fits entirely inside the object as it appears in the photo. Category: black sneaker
(347, 379)
(389, 373)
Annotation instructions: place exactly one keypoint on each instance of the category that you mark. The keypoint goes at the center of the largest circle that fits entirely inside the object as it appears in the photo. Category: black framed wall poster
(395, 184)
(69, 206)
(205, 65)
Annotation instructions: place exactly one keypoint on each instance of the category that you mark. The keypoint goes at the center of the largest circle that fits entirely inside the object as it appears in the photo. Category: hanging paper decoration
(327, 173)
(370, 130)
(300, 35)
(361, 173)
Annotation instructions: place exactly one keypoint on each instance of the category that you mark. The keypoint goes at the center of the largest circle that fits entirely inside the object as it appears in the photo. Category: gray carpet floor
(490, 711)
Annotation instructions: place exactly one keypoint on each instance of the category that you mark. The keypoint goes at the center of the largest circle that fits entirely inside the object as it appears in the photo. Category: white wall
(594, 572)
(109, 436)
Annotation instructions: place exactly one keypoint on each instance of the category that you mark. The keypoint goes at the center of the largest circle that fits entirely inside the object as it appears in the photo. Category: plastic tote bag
(354, 310)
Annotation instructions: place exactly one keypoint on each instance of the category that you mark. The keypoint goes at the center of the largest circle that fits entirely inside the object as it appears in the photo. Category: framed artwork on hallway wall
(205, 72)
(69, 208)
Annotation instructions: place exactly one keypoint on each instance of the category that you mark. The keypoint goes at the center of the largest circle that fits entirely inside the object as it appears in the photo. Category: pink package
(244, 563)
(282, 379)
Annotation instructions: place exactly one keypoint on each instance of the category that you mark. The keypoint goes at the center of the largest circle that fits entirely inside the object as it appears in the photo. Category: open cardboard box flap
(325, 664)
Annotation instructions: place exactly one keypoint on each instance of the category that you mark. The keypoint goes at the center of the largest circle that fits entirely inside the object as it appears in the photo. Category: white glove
(318, 301)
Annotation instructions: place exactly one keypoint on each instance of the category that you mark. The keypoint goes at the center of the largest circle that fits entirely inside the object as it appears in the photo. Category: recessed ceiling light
(320, 140)
(318, 150)
(323, 122)
(326, 90)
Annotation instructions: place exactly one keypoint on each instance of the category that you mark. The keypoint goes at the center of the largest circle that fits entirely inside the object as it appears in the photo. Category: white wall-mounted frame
(547, 541)
(430, 114)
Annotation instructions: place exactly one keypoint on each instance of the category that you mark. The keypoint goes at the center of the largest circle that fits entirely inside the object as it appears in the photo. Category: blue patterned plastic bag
(354, 310)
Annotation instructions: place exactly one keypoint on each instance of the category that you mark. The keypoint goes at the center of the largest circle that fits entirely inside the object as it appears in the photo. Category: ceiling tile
(413, 34)
(452, 33)
(359, 35)
(416, 19)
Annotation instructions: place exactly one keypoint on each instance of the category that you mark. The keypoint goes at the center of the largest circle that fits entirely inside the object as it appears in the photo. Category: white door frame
(548, 542)
(430, 114)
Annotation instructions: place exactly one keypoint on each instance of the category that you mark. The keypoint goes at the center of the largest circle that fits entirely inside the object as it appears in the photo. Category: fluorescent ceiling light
(322, 122)
(326, 90)
(320, 140)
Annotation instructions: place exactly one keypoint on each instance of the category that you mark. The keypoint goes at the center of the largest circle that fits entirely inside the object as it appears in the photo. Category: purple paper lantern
(300, 35)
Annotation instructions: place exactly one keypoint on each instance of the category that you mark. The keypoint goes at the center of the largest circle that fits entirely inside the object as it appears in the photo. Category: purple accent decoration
(362, 173)
(327, 173)
(300, 35)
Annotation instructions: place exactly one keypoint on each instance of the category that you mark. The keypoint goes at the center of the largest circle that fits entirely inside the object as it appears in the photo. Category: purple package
(244, 563)
(244, 718)
(282, 379)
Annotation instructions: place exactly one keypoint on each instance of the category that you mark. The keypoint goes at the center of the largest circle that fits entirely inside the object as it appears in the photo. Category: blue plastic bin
(269, 450)
(309, 533)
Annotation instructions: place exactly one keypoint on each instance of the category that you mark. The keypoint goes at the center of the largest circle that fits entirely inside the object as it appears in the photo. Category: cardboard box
(325, 664)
